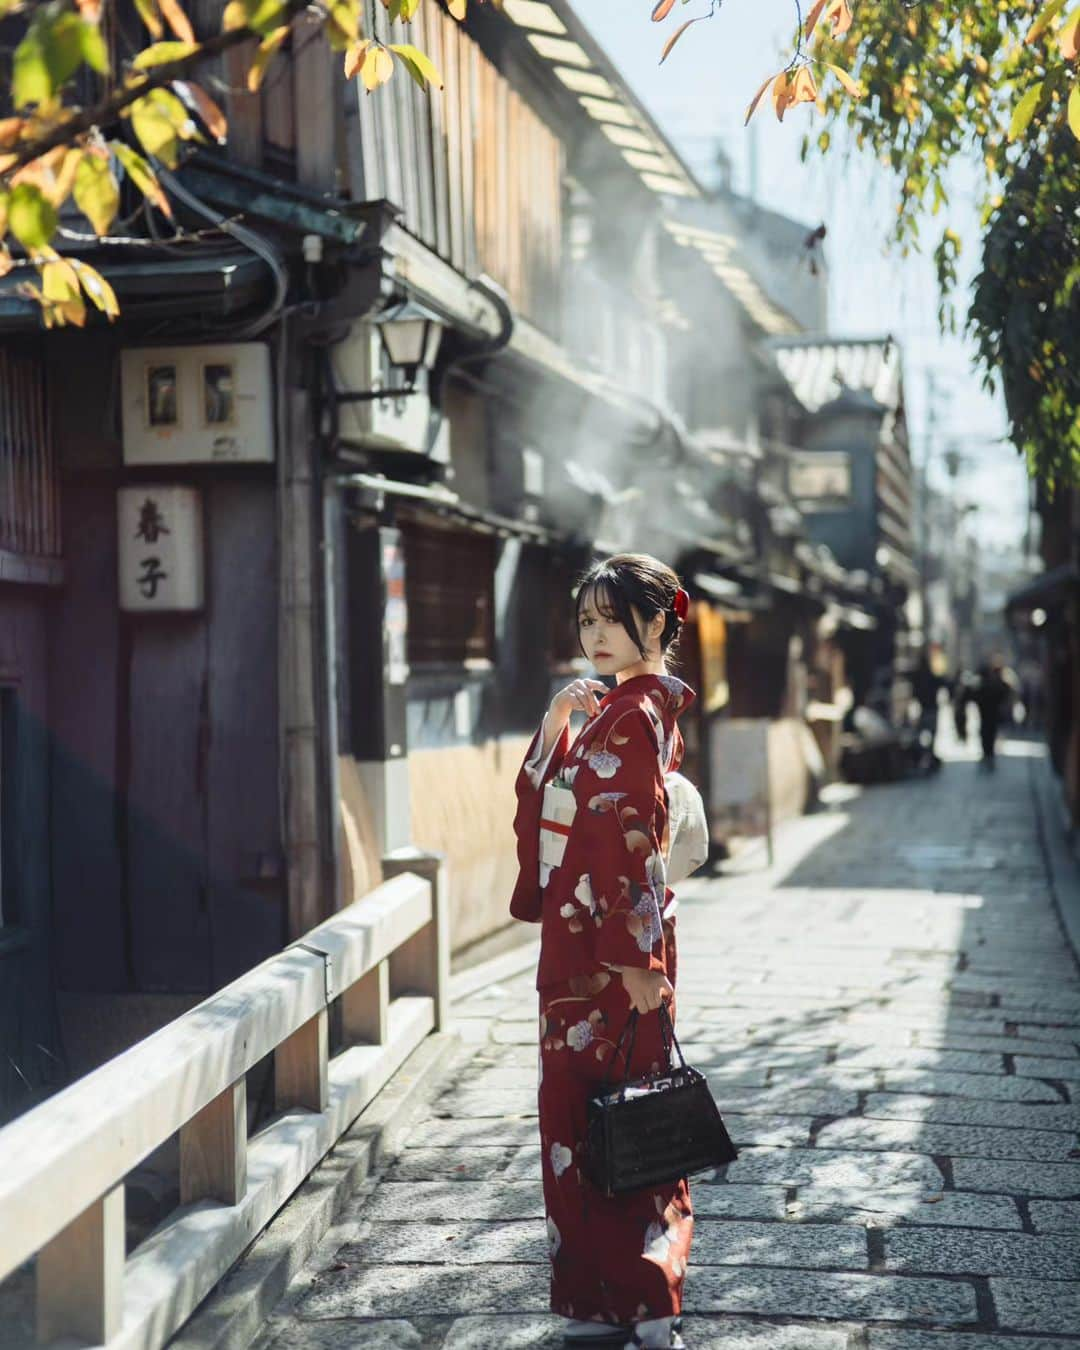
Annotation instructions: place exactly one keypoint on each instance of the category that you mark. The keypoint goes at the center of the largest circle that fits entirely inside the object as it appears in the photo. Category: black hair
(627, 579)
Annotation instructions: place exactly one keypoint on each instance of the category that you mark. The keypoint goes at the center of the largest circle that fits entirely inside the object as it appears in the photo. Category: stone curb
(236, 1311)
(514, 962)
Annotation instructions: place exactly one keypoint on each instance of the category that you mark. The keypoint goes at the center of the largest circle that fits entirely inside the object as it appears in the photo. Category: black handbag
(656, 1129)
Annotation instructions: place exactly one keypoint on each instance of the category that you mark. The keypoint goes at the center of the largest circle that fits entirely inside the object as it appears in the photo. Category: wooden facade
(29, 496)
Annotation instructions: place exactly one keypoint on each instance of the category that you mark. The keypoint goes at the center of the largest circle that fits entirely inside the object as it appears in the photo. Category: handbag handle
(667, 1035)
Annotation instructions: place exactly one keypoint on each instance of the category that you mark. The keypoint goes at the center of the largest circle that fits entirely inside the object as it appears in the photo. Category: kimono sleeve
(626, 867)
(526, 903)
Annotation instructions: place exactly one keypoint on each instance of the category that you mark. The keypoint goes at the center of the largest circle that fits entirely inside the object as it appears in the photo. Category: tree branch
(67, 131)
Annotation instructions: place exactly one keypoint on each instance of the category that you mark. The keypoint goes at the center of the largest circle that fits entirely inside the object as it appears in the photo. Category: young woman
(607, 945)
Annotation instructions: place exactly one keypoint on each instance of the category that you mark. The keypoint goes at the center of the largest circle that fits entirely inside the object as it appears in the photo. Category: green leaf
(158, 53)
(96, 192)
(47, 57)
(1046, 17)
(1025, 111)
(142, 175)
(94, 51)
(31, 217)
(425, 72)
(1074, 110)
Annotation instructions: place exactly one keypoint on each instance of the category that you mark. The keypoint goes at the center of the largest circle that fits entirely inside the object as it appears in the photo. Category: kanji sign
(160, 553)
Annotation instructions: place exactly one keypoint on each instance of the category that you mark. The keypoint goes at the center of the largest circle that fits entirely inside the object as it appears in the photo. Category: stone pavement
(890, 1021)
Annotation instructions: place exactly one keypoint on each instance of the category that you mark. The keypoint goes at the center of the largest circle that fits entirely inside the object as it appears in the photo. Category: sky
(699, 98)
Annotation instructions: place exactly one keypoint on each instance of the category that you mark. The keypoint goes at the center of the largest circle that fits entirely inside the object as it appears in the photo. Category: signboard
(739, 789)
(197, 405)
(160, 549)
(395, 618)
(820, 479)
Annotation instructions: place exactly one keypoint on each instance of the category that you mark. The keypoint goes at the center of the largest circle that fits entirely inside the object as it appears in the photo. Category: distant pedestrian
(961, 703)
(992, 696)
(594, 877)
(926, 685)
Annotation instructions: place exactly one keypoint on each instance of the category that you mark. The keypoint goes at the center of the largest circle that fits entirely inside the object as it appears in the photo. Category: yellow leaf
(213, 119)
(1069, 37)
(142, 175)
(457, 9)
(6, 261)
(670, 43)
(354, 57)
(148, 12)
(65, 177)
(377, 67)
(177, 20)
(97, 288)
(664, 7)
(413, 56)
(159, 52)
(852, 85)
(1025, 111)
(783, 94)
(96, 193)
(812, 18)
(161, 122)
(268, 49)
(342, 24)
(1074, 110)
(838, 13)
(757, 99)
(804, 90)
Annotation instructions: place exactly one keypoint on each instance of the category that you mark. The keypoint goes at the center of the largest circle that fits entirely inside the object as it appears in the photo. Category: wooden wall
(167, 872)
(478, 174)
(30, 1057)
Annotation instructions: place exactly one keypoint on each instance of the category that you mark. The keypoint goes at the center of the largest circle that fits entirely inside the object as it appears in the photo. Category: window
(450, 593)
(7, 807)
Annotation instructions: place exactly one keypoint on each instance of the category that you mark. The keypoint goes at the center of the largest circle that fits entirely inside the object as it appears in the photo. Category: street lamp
(410, 337)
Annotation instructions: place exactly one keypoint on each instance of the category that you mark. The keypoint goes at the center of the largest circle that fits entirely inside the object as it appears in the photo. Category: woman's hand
(647, 989)
(580, 696)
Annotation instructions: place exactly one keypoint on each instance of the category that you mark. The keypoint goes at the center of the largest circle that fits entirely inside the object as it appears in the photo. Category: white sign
(820, 477)
(197, 405)
(739, 778)
(160, 537)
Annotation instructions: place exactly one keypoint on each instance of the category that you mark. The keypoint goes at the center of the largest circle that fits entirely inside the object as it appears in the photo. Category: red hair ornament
(681, 604)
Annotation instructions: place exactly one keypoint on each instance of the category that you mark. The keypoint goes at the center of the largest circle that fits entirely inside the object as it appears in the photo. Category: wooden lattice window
(450, 593)
(29, 496)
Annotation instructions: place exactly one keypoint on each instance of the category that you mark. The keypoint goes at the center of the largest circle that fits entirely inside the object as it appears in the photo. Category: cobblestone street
(890, 1021)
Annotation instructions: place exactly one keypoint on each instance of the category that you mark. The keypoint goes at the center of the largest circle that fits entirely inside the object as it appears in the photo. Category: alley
(890, 1019)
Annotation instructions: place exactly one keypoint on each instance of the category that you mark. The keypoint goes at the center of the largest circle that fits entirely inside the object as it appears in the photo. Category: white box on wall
(197, 405)
(160, 553)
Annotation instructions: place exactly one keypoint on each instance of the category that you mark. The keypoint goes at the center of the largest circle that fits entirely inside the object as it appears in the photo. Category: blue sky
(699, 98)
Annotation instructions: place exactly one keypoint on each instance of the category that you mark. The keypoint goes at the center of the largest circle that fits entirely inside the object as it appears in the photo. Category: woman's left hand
(647, 989)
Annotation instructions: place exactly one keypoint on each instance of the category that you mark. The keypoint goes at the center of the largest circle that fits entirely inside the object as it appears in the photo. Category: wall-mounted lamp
(410, 336)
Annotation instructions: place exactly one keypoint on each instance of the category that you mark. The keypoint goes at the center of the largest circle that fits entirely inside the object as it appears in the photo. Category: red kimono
(619, 1260)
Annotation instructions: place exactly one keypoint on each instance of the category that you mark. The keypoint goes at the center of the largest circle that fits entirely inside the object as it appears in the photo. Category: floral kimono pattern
(621, 1259)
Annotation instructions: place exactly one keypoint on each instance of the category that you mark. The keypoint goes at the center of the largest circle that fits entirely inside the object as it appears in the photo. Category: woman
(607, 945)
